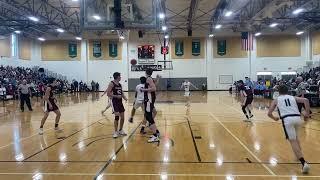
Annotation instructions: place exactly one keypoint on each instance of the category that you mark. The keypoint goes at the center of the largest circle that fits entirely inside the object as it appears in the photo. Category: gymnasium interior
(211, 43)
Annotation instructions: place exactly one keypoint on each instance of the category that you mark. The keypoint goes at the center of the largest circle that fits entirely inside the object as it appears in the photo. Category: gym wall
(315, 43)
(57, 50)
(24, 48)
(5, 48)
(187, 44)
(279, 46)
(105, 50)
(233, 48)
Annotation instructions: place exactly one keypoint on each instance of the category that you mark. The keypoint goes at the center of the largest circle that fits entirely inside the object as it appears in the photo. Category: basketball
(133, 62)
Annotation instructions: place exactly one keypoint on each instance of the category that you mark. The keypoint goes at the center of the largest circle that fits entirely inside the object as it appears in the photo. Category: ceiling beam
(217, 13)
(192, 11)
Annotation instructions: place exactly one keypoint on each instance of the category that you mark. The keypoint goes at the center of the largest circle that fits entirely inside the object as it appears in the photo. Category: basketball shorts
(117, 106)
(291, 126)
(187, 94)
(249, 100)
(148, 106)
(138, 104)
(47, 108)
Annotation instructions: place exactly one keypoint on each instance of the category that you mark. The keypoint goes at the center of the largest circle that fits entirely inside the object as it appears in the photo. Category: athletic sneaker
(58, 129)
(247, 120)
(40, 131)
(153, 139)
(305, 168)
(130, 120)
(115, 135)
(122, 133)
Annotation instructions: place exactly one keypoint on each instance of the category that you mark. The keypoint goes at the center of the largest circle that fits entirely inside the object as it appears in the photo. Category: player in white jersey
(290, 116)
(139, 98)
(186, 86)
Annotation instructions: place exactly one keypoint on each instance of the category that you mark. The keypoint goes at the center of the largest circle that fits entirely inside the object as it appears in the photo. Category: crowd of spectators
(12, 77)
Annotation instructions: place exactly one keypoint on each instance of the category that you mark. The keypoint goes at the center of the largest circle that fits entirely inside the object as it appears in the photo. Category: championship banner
(145, 67)
(221, 47)
(72, 49)
(96, 49)
(196, 47)
(113, 49)
(179, 51)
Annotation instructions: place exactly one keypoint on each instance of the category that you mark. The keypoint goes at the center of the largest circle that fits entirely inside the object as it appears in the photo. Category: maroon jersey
(247, 89)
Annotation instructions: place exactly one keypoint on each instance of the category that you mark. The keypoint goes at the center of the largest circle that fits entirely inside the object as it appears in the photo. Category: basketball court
(208, 140)
(212, 43)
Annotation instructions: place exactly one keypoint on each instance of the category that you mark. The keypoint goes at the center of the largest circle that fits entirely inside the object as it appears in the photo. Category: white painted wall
(209, 67)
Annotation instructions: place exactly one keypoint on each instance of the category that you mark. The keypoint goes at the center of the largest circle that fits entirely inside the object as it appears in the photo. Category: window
(14, 45)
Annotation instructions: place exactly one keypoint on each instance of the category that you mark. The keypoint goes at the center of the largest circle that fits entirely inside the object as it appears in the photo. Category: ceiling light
(17, 32)
(274, 24)
(60, 30)
(121, 37)
(228, 14)
(298, 11)
(211, 35)
(166, 36)
(96, 17)
(257, 34)
(161, 16)
(218, 26)
(299, 33)
(164, 28)
(78, 38)
(75, 0)
(32, 18)
(41, 39)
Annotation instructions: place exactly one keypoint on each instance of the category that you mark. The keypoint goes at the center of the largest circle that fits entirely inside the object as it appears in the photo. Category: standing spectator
(25, 92)
(76, 86)
(3, 92)
(81, 86)
(97, 87)
(93, 86)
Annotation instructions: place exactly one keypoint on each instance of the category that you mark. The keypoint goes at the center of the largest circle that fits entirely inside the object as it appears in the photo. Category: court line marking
(160, 174)
(194, 141)
(242, 144)
(115, 154)
(22, 139)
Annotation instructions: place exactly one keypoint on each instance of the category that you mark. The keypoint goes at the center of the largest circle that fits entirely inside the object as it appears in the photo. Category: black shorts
(117, 106)
(248, 100)
(148, 106)
(54, 106)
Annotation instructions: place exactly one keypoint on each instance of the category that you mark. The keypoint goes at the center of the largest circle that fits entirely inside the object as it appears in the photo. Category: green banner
(96, 49)
(179, 51)
(196, 47)
(221, 47)
(72, 49)
(113, 49)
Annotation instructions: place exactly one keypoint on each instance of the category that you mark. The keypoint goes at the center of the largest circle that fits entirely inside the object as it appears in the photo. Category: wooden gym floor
(208, 140)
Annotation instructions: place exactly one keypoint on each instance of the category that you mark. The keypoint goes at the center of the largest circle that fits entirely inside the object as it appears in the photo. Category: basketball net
(123, 34)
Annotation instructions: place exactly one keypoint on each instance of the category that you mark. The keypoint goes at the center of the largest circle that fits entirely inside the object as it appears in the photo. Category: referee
(25, 93)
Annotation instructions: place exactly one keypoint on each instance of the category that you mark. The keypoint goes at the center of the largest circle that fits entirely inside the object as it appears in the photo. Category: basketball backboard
(119, 14)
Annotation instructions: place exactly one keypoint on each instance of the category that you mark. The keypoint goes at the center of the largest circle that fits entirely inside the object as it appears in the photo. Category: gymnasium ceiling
(200, 16)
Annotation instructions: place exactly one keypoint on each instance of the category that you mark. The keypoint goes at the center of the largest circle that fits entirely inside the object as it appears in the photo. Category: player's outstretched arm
(152, 86)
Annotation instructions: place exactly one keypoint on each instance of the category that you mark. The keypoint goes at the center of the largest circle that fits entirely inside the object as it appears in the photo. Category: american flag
(246, 41)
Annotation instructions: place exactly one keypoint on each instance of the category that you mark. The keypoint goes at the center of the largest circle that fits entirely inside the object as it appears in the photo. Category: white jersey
(186, 86)
(139, 93)
(287, 106)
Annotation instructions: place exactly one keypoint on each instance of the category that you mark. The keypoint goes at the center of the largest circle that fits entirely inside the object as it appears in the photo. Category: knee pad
(116, 118)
